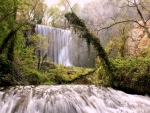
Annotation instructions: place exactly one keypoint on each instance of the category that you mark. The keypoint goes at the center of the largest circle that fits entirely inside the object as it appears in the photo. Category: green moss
(48, 83)
(75, 20)
(84, 32)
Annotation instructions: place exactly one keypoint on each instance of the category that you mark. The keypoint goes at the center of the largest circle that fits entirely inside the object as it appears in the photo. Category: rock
(138, 39)
(144, 43)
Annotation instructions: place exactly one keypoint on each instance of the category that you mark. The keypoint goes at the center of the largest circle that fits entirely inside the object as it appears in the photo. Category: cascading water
(57, 40)
(70, 99)
(64, 47)
(63, 58)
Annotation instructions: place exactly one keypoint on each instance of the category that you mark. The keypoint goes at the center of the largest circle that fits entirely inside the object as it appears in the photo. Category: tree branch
(69, 5)
(125, 21)
(144, 8)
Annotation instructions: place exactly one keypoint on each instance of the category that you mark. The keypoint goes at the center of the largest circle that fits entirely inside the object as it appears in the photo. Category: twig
(69, 6)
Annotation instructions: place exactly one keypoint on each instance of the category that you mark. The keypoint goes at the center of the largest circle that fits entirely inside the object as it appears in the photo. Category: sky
(80, 2)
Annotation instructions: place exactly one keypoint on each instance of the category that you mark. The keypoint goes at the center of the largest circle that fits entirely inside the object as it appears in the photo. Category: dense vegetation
(131, 75)
(20, 66)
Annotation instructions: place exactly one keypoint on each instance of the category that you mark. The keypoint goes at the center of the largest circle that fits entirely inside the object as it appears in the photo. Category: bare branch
(147, 19)
(125, 21)
(33, 8)
(128, 4)
(131, 2)
(69, 5)
(111, 18)
(144, 8)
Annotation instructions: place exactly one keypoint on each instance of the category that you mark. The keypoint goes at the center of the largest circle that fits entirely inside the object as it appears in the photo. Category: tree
(119, 13)
(56, 14)
(84, 32)
(11, 26)
(11, 22)
(32, 11)
(139, 7)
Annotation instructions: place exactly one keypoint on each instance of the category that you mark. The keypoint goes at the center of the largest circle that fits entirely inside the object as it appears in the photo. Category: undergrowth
(130, 75)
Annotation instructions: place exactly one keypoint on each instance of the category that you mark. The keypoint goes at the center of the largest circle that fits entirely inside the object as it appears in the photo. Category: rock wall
(138, 40)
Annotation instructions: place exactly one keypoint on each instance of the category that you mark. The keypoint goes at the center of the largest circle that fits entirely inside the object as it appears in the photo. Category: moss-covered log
(80, 77)
(90, 38)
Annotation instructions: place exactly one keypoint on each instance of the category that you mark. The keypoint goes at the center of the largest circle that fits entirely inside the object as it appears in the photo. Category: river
(70, 99)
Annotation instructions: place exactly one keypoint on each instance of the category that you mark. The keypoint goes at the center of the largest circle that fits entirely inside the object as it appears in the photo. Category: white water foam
(70, 99)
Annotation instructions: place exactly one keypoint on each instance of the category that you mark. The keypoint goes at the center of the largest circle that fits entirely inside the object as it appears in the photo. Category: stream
(70, 99)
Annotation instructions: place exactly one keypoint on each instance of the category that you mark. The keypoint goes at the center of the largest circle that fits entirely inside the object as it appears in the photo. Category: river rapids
(70, 99)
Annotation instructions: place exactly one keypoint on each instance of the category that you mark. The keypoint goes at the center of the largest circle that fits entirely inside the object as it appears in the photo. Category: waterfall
(57, 44)
(63, 47)
(70, 99)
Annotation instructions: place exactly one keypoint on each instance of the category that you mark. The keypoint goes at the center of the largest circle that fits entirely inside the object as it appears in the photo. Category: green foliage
(15, 15)
(71, 74)
(116, 47)
(49, 77)
(40, 40)
(48, 83)
(33, 76)
(19, 43)
(6, 72)
(56, 12)
(130, 75)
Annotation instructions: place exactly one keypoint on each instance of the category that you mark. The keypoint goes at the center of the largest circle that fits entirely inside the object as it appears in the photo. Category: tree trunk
(10, 54)
(6, 40)
(84, 32)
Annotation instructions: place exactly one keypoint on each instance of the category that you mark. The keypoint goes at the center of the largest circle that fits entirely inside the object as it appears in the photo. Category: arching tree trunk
(10, 54)
(84, 32)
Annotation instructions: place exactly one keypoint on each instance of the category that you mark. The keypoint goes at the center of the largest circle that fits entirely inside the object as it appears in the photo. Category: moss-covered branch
(90, 38)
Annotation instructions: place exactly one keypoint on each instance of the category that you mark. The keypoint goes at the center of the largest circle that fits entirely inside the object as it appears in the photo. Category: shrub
(130, 75)
(33, 76)
(6, 72)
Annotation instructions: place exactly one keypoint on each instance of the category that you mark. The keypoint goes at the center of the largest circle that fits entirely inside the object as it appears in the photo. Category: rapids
(70, 99)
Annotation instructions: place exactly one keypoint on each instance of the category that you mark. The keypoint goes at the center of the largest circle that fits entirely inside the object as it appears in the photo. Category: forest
(117, 30)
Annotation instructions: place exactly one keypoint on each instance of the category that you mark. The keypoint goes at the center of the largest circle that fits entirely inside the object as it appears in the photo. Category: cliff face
(138, 40)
